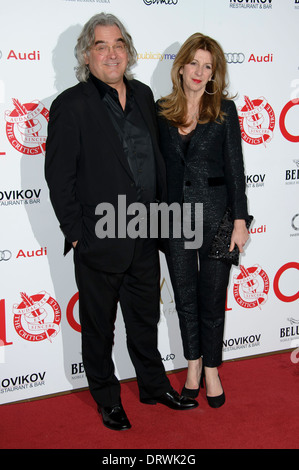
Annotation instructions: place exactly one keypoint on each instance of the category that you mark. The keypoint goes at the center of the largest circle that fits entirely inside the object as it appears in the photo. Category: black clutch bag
(221, 242)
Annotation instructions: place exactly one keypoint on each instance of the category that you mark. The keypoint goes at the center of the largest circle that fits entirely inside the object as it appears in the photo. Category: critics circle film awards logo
(251, 287)
(37, 317)
(257, 121)
(26, 127)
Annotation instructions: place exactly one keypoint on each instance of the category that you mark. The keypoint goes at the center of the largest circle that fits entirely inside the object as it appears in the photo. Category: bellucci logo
(31, 314)
(251, 287)
(257, 121)
(292, 174)
(26, 127)
(290, 332)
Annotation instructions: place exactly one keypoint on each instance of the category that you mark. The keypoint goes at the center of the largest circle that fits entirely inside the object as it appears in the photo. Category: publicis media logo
(257, 121)
(26, 127)
(37, 317)
(251, 287)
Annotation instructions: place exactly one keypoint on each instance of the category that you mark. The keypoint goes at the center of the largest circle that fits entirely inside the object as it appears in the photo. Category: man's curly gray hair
(86, 40)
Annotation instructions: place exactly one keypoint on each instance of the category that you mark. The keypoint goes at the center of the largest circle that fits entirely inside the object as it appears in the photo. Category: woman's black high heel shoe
(192, 392)
(219, 400)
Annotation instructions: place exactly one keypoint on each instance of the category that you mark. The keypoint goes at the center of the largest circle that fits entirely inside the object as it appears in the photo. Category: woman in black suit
(201, 145)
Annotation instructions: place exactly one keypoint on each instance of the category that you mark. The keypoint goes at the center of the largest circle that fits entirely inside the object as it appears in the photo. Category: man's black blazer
(86, 165)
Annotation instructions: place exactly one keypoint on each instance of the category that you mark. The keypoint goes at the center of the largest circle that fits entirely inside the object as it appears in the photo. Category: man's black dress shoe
(114, 417)
(173, 400)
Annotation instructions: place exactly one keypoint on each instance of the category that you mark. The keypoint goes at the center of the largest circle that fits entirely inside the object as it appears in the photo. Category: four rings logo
(234, 57)
(5, 255)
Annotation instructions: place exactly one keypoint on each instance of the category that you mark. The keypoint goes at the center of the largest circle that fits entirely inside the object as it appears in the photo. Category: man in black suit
(102, 144)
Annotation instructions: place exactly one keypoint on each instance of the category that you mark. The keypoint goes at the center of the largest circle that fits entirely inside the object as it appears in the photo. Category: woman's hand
(239, 236)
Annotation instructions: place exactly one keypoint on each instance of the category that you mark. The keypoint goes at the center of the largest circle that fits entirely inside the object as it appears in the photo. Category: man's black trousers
(138, 292)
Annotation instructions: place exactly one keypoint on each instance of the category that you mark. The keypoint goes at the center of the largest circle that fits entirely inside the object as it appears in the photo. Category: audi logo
(234, 57)
(5, 255)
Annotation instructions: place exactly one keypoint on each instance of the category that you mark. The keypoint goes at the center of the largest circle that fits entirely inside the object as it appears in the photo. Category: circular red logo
(257, 121)
(26, 127)
(37, 317)
(251, 287)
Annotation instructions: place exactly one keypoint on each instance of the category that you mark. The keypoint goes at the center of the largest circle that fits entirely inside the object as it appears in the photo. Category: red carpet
(261, 412)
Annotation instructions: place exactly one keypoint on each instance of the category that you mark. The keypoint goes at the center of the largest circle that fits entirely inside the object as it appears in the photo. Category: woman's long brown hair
(174, 106)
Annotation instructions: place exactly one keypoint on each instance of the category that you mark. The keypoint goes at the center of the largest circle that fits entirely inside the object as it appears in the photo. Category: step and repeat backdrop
(40, 344)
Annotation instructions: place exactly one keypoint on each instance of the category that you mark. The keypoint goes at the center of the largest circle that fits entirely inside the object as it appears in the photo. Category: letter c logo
(280, 296)
(285, 133)
(70, 313)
